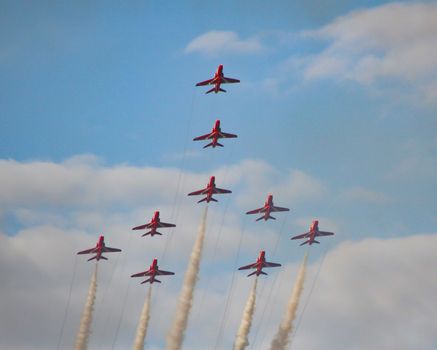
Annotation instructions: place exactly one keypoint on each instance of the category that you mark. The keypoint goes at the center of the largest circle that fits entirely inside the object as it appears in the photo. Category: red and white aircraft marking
(152, 272)
(209, 191)
(259, 265)
(218, 79)
(214, 135)
(99, 249)
(312, 234)
(267, 209)
(153, 225)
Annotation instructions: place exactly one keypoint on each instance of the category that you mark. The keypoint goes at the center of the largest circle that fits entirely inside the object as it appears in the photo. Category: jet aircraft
(209, 191)
(214, 135)
(218, 79)
(153, 225)
(99, 249)
(152, 272)
(267, 209)
(312, 234)
(259, 265)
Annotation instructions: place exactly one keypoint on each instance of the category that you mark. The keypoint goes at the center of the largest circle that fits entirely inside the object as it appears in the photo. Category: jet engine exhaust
(242, 338)
(282, 337)
(84, 331)
(176, 334)
(143, 323)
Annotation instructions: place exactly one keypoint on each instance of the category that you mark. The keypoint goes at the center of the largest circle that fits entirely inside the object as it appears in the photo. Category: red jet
(99, 249)
(259, 265)
(313, 233)
(218, 79)
(214, 135)
(209, 191)
(153, 225)
(267, 209)
(152, 272)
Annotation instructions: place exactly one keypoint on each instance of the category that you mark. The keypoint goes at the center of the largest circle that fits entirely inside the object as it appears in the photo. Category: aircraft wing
(203, 137)
(230, 80)
(279, 209)
(88, 251)
(164, 224)
(110, 250)
(303, 235)
(162, 272)
(226, 135)
(220, 190)
(257, 211)
(142, 274)
(196, 193)
(206, 82)
(271, 264)
(141, 227)
(247, 267)
(324, 233)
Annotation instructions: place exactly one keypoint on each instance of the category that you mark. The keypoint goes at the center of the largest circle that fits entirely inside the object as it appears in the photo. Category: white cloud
(219, 42)
(394, 42)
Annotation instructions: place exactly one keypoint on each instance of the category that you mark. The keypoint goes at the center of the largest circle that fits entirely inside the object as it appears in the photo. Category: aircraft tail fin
(209, 91)
(304, 242)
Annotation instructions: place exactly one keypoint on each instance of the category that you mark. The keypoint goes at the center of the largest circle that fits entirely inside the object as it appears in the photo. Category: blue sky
(335, 113)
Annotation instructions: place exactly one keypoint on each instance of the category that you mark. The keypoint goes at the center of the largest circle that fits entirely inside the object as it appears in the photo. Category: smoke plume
(282, 337)
(176, 334)
(87, 316)
(144, 322)
(242, 341)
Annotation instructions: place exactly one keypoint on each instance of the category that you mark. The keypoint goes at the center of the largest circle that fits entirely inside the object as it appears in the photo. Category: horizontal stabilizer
(213, 199)
(103, 257)
(262, 273)
(94, 257)
(251, 274)
(271, 217)
(151, 233)
(222, 90)
(304, 243)
(202, 200)
(316, 242)
(219, 144)
(210, 90)
(260, 218)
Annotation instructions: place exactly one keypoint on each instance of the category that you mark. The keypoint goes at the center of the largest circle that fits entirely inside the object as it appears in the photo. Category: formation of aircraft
(153, 225)
(259, 265)
(209, 190)
(267, 209)
(312, 234)
(152, 272)
(215, 135)
(218, 79)
(99, 249)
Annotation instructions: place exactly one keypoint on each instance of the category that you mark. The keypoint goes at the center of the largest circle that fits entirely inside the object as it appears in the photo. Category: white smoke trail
(176, 334)
(242, 339)
(87, 316)
(144, 322)
(282, 337)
